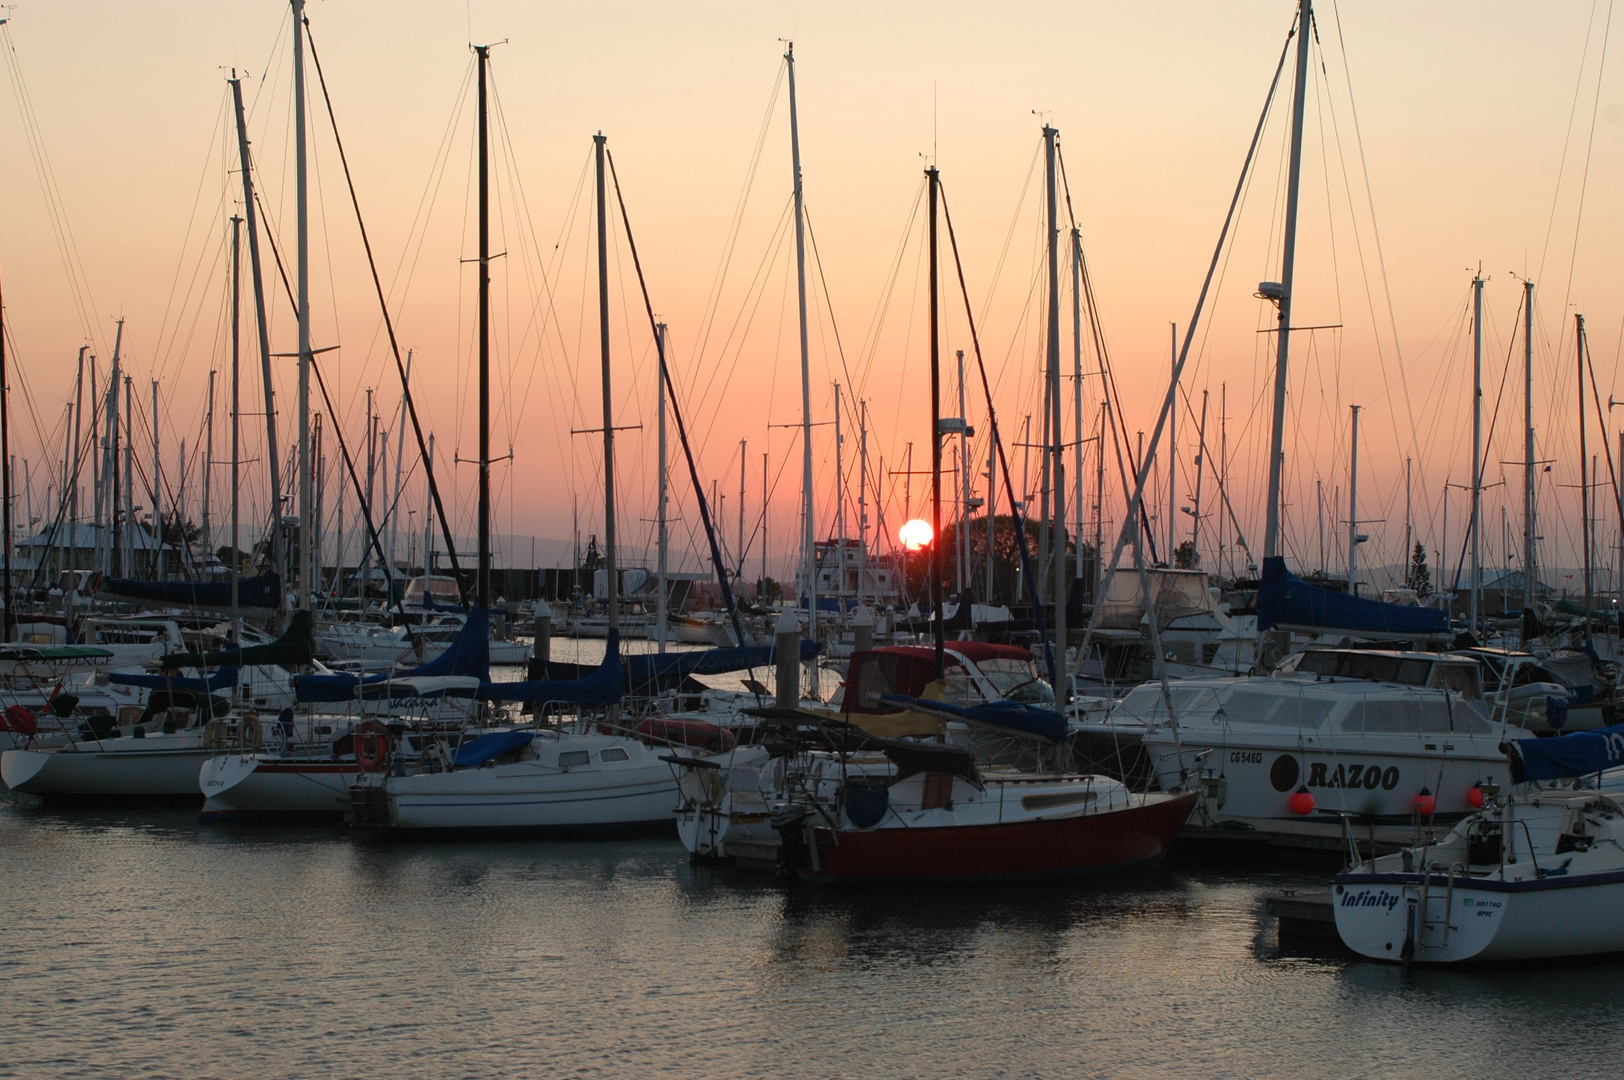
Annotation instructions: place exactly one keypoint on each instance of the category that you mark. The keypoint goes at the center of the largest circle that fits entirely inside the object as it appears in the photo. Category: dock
(1304, 918)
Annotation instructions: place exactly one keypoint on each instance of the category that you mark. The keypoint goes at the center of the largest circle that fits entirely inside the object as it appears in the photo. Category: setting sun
(915, 534)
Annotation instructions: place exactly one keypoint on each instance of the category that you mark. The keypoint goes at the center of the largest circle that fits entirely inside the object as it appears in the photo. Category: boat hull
(244, 788)
(148, 769)
(1057, 847)
(1483, 921)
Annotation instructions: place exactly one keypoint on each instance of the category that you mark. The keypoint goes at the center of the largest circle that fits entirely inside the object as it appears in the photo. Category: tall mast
(1584, 480)
(808, 530)
(610, 568)
(157, 503)
(129, 478)
(208, 470)
(307, 493)
(1477, 444)
(744, 451)
(1200, 452)
(961, 534)
(1288, 271)
(1353, 504)
(938, 633)
(78, 423)
(862, 497)
(1057, 440)
(483, 589)
(5, 482)
(236, 340)
(251, 217)
(1173, 444)
(400, 453)
(840, 495)
(663, 538)
(1530, 562)
(114, 563)
(1077, 392)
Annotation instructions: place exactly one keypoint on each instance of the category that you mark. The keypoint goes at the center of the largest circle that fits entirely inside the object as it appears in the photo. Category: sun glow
(915, 534)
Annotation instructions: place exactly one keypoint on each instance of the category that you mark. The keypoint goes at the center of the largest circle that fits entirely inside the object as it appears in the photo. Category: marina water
(140, 944)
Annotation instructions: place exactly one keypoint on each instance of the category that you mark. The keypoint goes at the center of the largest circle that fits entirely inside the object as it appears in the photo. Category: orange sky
(1462, 112)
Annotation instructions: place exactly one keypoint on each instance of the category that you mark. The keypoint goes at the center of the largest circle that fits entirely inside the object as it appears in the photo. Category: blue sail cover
(1565, 756)
(471, 755)
(262, 591)
(1012, 716)
(469, 654)
(1286, 600)
(601, 687)
(226, 676)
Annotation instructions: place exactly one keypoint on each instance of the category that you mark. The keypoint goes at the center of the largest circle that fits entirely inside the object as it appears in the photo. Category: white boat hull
(156, 767)
(1483, 921)
(237, 786)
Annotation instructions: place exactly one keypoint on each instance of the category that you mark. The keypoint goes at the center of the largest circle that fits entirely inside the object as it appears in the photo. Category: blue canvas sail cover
(471, 755)
(226, 676)
(1286, 600)
(1011, 716)
(601, 687)
(468, 655)
(260, 591)
(1580, 754)
(652, 672)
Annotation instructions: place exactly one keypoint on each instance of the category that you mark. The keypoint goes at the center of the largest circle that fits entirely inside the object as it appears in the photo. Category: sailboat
(1334, 737)
(588, 778)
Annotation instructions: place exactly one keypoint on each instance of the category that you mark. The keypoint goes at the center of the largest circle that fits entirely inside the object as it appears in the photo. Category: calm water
(137, 944)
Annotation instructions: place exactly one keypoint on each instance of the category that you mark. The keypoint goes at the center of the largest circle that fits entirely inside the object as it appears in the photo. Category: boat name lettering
(1366, 898)
(1246, 757)
(1371, 777)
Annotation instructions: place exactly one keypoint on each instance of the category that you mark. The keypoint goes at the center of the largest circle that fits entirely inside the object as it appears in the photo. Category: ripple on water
(138, 944)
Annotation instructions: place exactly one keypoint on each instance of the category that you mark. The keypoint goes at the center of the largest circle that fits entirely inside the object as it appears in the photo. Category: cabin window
(1413, 672)
(1461, 678)
(614, 753)
(571, 758)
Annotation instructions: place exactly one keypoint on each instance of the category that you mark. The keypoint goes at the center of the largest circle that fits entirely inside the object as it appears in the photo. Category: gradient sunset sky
(1440, 138)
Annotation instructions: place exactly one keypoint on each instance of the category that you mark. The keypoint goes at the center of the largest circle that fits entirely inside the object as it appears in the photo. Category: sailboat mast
(1584, 480)
(1057, 440)
(307, 494)
(483, 588)
(938, 631)
(251, 218)
(157, 503)
(862, 497)
(610, 569)
(1530, 562)
(1077, 392)
(808, 530)
(5, 482)
(1272, 545)
(744, 454)
(665, 481)
(840, 496)
(400, 452)
(1477, 444)
(110, 497)
(961, 533)
(1353, 505)
(236, 347)
(208, 468)
(78, 423)
(1173, 444)
(1200, 452)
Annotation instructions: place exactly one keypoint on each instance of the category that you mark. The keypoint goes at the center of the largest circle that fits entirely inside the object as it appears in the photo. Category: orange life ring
(371, 746)
(21, 720)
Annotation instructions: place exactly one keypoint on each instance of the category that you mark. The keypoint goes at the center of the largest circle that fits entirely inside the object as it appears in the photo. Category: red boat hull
(1011, 851)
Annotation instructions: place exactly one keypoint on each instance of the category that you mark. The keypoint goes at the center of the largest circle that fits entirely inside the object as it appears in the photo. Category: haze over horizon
(1439, 139)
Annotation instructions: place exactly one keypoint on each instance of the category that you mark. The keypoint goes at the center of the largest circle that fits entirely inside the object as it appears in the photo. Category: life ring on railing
(21, 719)
(371, 746)
(250, 732)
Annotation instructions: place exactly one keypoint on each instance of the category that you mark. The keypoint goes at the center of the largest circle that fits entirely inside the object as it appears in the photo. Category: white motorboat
(1333, 732)
(1532, 876)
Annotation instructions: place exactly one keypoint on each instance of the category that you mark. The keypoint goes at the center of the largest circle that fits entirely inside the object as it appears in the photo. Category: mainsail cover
(601, 687)
(468, 655)
(1287, 601)
(646, 673)
(1581, 754)
(1013, 717)
(295, 648)
(226, 676)
(261, 591)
